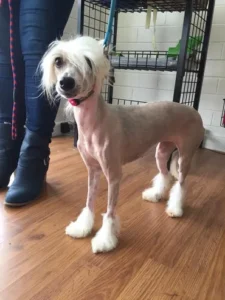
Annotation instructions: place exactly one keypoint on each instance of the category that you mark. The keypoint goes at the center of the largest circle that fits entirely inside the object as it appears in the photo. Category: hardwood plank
(158, 258)
(213, 286)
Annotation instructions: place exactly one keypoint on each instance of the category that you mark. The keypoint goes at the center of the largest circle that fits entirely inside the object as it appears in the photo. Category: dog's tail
(172, 164)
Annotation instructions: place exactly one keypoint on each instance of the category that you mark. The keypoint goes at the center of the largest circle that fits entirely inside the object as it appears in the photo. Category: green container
(193, 44)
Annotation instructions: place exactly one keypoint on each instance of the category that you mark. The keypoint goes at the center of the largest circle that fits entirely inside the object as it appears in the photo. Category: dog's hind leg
(177, 193)
(83, 226)
(162, 181)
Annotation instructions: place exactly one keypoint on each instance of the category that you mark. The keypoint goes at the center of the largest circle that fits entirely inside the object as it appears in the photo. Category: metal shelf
(187, 59)
(160, 5)
(120, 101)
(149, 60)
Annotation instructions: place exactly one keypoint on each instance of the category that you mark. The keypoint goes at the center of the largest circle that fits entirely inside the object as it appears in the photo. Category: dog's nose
(67, 83)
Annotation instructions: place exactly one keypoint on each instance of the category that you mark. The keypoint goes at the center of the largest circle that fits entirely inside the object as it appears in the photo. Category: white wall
(156, 86)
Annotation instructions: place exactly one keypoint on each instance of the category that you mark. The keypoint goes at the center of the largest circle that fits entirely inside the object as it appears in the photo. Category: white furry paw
(82, 227)
(106, 238)
(175, 203)
(152, 195)
(161, 184)
(174, 212)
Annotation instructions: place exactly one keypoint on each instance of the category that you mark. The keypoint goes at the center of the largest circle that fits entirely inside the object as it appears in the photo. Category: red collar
(73, 102)
(76, 102)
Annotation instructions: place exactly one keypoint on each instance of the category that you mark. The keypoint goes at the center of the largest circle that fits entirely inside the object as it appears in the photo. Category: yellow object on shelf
(150, 10)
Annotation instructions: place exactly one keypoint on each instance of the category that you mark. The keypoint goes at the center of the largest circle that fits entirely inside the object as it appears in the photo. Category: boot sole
(29, 202)
(19, 204)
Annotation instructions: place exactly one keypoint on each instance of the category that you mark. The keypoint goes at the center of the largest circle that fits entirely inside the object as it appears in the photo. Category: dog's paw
(82, 227)
(174, 212)
(151, 195)
(103, 243)
(176, 199)
(106, 238)
(159, 189)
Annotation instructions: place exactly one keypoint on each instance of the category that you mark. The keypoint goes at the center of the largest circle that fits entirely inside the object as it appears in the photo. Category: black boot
(9, 153)
(31, 170)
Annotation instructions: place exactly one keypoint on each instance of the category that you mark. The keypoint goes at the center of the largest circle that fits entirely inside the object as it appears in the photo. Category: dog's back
(144, 126)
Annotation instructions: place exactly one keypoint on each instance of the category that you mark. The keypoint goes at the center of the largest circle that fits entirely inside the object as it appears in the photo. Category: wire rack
(95, 20)
(149, 60)
(189, 63)
(117, 101)
(123, 5)
(222, 124)
(196, 29)
(160, 5)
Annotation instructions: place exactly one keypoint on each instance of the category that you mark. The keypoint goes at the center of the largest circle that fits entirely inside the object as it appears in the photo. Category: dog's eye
(58, 62)
(88, 62)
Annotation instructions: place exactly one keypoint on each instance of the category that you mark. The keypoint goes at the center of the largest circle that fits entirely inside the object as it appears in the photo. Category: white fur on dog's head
(82, 59)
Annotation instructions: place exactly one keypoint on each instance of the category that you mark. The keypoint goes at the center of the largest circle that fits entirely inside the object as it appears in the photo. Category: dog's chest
(89, 147)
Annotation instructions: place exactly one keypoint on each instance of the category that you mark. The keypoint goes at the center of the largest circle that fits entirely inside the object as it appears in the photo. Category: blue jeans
(36, 23)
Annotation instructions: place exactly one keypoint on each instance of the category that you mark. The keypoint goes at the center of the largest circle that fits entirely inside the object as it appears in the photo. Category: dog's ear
(88, 62)
(46, 68)
(101, 42)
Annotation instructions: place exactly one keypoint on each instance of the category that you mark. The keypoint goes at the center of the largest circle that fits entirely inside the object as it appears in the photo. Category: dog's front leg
(106, 238)
(82, 227)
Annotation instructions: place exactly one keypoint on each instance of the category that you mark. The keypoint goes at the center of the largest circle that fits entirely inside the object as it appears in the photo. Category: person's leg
(39, 25)
(9, 149)
(6, 80)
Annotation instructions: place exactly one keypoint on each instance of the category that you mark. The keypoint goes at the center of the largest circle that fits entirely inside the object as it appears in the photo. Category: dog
(112, 135)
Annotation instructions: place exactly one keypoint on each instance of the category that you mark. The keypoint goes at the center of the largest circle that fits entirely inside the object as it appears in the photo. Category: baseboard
(214, 142)
(57, 130)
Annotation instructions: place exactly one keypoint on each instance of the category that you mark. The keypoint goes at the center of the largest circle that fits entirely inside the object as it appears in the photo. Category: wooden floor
(158, 258)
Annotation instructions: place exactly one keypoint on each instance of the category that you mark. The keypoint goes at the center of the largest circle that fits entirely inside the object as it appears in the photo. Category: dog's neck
(89, 113)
